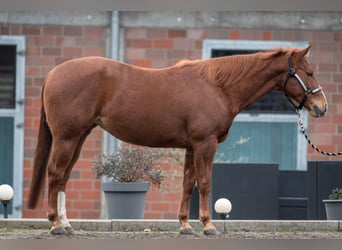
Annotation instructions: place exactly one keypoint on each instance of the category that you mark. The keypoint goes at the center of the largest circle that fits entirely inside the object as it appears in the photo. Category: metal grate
(7, 76)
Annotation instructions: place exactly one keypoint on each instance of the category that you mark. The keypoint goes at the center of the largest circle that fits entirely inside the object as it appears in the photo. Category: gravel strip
(44, 234)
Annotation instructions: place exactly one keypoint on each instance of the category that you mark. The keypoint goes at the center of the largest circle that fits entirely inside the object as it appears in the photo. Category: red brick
(82, 204)
(91, 195)
(337, 36)
(156, 33)
(176, 33)
(90, 214)
(32, 71)
(31, 30)
(4, 30)
(141, 43)
(195, 34)
(322, 56)
(266, 35)
(337, 77)
(73, 31)
(325, 128)
(155, 54)
(51, 51)
(328, 46)
(135, 33)
(66, 41)
(81, 185)
(39, 61)
(323, 36)
(134, 53)
(337, 119)
(72, 52)
(152, 215)
(44, 40)
(250, 34)
(234, 34)
(89, 41)
(217, 34)
(82, 163)
(52, 30)
(164, 44)
(327, 67)
(176, 54)
(160, 206)
(184, 44)
(94, 31)
(33, 51)
(93, 52)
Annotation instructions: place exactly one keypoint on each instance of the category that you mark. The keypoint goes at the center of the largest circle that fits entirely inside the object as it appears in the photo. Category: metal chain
(300, 122)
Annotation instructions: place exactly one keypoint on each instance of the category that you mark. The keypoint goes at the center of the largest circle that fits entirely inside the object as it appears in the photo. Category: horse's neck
(247, 78)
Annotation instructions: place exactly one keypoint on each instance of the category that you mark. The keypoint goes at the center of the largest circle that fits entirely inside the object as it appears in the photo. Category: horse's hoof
(211, 232)
(58, 231)
(69, 230)
(187, 231)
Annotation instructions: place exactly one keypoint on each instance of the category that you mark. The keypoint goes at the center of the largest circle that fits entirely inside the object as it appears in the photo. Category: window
(267, 131)
(12, 74)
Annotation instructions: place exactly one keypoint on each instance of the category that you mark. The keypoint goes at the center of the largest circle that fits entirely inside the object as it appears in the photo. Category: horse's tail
(41, 157)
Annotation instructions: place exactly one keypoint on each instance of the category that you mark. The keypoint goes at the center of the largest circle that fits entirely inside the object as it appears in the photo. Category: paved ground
(44, 234)
(168, 229)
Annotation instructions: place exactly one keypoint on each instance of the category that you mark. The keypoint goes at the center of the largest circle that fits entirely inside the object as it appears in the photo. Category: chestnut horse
(190, 105)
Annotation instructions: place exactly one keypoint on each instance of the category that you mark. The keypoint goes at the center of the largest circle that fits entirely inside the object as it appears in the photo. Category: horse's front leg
(204, 153)
(189, 181)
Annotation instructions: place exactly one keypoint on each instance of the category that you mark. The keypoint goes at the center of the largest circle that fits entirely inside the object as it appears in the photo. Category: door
(12, 70)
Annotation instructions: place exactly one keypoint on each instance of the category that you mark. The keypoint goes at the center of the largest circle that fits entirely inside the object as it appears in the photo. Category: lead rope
(300, 122)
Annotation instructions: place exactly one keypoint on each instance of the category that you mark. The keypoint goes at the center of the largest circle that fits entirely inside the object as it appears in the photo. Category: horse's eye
(309, 73)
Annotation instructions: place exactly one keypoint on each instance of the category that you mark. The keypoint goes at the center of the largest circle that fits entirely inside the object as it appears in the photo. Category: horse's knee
(204, 186)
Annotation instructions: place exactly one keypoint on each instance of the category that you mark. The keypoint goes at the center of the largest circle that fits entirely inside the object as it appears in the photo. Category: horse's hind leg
(63, 156)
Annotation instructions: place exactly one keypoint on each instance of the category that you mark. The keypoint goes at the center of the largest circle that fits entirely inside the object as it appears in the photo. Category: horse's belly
(145, 133)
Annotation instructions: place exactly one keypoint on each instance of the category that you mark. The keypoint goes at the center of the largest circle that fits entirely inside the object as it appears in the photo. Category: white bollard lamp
(6, 194)
(223, 207)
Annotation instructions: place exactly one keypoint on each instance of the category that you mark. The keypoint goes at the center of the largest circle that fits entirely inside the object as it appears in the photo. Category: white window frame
(209, 45)
(18, 114)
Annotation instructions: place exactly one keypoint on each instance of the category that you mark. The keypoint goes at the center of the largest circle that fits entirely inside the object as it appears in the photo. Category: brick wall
(48, 46)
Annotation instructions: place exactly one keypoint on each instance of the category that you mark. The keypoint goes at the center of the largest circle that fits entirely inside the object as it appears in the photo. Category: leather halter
(307, 92)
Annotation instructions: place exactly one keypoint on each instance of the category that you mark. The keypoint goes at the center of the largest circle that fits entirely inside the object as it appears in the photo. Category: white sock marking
(61, 209)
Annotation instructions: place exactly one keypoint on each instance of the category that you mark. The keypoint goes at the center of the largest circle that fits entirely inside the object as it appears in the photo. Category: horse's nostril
(319, 112)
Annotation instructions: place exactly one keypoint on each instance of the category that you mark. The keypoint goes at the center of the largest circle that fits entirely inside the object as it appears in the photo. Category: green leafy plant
(130, 164)
(336, 194)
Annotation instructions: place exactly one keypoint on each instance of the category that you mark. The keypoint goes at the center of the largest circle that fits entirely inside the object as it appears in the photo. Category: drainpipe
(109, 143)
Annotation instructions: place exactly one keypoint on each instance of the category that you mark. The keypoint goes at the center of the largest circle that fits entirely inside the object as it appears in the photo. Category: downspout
(110, 143)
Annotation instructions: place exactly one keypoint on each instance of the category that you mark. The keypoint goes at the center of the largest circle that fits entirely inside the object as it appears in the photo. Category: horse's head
(301, 86)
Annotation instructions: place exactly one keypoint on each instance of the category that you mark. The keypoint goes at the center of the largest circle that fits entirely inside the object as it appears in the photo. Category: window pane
(260, 142)
(7, 76)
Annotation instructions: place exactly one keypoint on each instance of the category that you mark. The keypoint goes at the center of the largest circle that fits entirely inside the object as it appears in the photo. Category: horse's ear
(305, 51)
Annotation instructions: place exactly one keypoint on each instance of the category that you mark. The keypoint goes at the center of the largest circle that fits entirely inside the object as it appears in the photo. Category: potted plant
(128, 176)
(333, 205)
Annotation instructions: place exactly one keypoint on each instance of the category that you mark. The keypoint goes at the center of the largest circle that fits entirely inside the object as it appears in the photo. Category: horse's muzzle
(320, 111)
